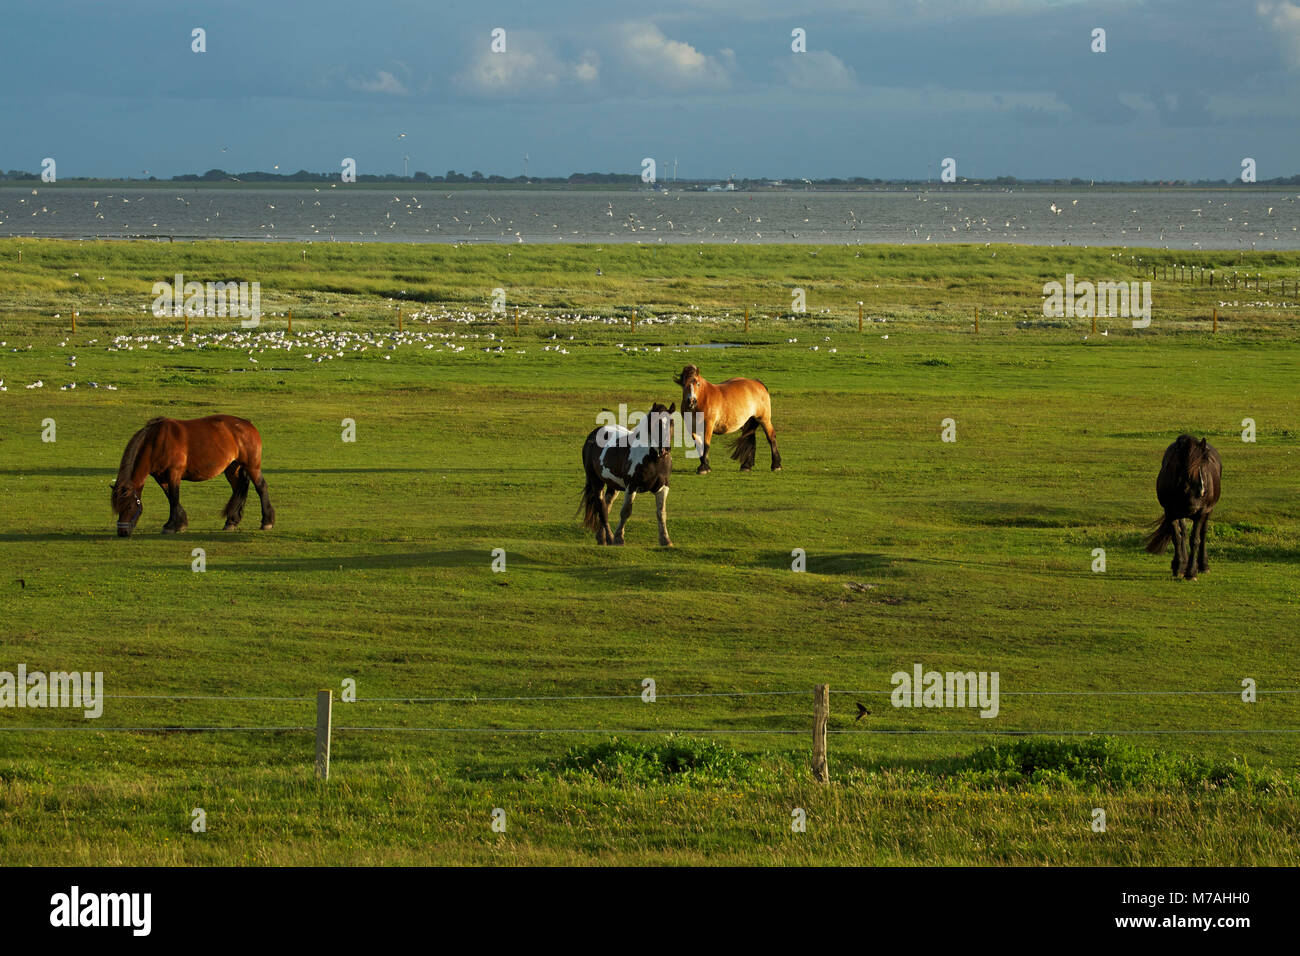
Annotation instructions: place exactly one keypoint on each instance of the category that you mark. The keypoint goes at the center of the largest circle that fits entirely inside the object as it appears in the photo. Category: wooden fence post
(746, 318)
(324, 705)
(399, 318)
(977, 318)
(516, 320)
(821, 713)
(1216, 320)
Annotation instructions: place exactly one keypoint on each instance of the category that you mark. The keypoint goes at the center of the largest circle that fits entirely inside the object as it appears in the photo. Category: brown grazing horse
(1188, 487)
(173, 451)
(742, 403)
(640, 460)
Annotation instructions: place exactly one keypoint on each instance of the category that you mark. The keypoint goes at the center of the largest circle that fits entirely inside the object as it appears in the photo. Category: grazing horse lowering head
(171, 451)
(690, 381)
(127, 506)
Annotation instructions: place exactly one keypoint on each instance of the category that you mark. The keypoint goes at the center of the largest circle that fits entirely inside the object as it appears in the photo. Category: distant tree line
(612, 179)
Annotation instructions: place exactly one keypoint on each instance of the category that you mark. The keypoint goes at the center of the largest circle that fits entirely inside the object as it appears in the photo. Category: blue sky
(887, 88)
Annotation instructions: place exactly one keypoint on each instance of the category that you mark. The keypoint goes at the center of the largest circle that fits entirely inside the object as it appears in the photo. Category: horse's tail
(1162, 535)
(121, 494)
(746, 444)
(590, 504)
(234, 510)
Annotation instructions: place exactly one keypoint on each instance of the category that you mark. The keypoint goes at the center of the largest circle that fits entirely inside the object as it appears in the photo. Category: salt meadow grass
(973, 555)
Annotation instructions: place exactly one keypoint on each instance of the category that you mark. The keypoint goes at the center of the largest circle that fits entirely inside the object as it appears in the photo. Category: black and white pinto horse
(634, 461)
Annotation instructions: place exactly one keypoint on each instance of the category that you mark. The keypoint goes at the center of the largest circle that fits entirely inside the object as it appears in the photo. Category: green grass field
(969, 555)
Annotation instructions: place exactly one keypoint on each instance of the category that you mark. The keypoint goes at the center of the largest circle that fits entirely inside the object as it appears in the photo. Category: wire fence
(470, 699)
(324, 728)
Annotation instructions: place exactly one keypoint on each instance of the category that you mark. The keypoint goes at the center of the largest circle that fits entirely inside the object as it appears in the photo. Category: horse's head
(1193, 463)
(689, 380)
(660, 422)
(127, 506)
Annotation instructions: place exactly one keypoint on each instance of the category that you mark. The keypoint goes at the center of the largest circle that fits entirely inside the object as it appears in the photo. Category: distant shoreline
(692, 188)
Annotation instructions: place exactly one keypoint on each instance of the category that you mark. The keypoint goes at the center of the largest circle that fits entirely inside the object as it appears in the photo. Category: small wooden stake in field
(74, 322)
(324, 706)
(746, 318)
(187, 323)
(1216, 320)
(859, 316)
(821, 714)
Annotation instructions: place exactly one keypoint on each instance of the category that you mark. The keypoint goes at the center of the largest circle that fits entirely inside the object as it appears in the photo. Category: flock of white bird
(640, 217)
(318, 346)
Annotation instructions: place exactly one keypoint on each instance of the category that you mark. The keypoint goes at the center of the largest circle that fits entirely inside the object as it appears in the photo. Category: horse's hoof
(230, 526)
(776, 467)
(618, 541)
(703, 471)
(268, 526)
(665, 544)
(168, 530)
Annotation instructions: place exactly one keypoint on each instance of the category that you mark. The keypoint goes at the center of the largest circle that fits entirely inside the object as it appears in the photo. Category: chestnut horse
(742, 403)
(173, 451)
(1187, 487)
(616, 459)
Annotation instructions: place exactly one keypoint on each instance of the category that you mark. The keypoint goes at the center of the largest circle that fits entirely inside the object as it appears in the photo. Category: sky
(1186, 89)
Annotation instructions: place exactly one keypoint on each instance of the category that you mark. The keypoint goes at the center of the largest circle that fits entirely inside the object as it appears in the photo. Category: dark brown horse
(638, 460)
(709, 409)
(1188, 487)
(173, 451)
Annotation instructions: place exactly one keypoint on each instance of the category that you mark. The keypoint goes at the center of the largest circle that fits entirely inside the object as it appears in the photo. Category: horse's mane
(122, 487)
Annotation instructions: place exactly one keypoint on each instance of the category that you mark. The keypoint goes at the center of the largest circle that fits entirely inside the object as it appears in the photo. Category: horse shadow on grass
(108, 473)
(476, 558)
(835, 563)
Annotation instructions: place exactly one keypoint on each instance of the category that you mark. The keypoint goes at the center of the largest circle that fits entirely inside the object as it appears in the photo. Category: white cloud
(671, 64)
(1284, 17)
(530, 67)
(817, 71)
(383, 82)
